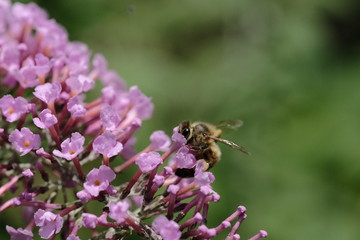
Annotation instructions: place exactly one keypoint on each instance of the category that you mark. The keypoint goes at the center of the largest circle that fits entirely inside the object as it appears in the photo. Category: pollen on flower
(10, 110)
(26, 144)
(96, 182)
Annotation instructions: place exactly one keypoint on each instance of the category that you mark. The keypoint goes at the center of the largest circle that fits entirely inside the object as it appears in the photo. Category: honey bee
(202, 138)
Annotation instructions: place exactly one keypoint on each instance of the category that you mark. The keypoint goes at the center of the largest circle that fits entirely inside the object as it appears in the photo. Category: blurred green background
(288, 69)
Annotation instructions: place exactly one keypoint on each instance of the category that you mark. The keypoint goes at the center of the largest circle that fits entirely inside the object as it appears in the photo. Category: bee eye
(186, 132)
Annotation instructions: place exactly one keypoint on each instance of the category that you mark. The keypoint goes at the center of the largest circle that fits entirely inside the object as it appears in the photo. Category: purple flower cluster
(80, 149)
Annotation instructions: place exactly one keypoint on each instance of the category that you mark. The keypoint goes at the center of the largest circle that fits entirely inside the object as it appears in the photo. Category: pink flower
(72, 237)
(43, 64)
(24, 141)
(148, 161)
(75, 107)
(71, 147)
(10, 56)
(109, 117)
(107, 145)
(80, 83)
(84, 196)
(178, 139)
(112, 79)
(25, 14)
(28, 173)
(113, 86)
(27, 75)
(13, 108)
(159, 180)
(99, 64)
(48, 222)
(173, 189)
(168, 230)
(201, 177)
(207, 232)
(142, 104)
(160, 141)
(46, 119)
(260, 234)
(89, 220)
(118, 211)
(135, 102)
(48, 92)
(99, 180)
(184, 159)
(19, 234)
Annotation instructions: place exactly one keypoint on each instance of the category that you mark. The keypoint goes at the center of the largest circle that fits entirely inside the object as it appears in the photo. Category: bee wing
(231, 144)
(230, 124)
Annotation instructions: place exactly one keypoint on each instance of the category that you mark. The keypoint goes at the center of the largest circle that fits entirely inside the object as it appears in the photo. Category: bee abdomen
(185, 172)
(212, 155)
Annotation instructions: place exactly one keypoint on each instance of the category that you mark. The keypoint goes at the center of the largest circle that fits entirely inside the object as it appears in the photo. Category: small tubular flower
(24, 140)
(48, 222)
(79, 84)
(98, 180)
(45, 120)
(119, 211)
(72, 237)
(260, 234)
(71, 147)
(148, 161)
(160, 141)
(19, 234)
(107, 145)
(48, 92)
(75, 107)
(43, 65)
(13, 108)
(184, 159)
(28, 173)
(89, 220)
(27, 75)
(201, 177)
(110, 117)
(177, 138)
(169, 230)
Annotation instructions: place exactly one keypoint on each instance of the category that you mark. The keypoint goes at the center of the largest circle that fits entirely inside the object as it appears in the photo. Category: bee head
(185, 129)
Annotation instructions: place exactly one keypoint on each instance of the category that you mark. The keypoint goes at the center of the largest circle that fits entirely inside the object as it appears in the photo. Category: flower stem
(131, 161)
(8, 185)
(69, 209)
(78, 168)
(131, 184)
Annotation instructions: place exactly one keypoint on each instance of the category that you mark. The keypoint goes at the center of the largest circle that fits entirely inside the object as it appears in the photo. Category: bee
(202, 138)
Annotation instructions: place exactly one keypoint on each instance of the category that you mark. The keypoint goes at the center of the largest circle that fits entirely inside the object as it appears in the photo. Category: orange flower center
(26, 143)
(10, 110)
(97, 182)
(71, 152)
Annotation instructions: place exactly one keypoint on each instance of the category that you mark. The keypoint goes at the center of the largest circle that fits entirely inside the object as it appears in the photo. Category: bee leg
(198, 148)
